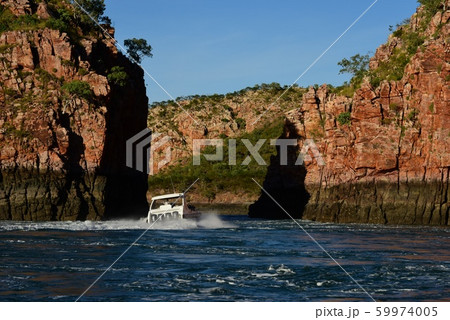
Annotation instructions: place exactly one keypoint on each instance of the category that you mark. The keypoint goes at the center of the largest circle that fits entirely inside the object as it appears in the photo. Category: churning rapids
(231, 258)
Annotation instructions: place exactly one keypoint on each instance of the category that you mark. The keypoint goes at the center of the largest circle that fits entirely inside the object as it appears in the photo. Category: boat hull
(154, 217)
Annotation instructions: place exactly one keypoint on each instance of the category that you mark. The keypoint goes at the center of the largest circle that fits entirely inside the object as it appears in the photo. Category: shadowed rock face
(62, 155)
(285, 184)
(391, 163)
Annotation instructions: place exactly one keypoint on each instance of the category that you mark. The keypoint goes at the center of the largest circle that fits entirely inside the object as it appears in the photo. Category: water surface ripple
(228, 259)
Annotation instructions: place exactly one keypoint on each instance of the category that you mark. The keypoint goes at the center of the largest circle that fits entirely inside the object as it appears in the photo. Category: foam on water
(213, 221)
(206, 221)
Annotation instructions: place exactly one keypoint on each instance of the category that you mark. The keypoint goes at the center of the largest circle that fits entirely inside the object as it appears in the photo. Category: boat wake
(206, 221)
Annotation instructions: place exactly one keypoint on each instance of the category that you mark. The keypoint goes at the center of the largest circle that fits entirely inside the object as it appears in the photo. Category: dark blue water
(229, 259)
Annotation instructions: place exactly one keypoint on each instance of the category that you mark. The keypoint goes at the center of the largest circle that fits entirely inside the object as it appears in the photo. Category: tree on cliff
(95, 8)
(137, 48)
(357, 65)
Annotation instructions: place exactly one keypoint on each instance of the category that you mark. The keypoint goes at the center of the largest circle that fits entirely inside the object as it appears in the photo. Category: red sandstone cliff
(63, 126)
(391, 162)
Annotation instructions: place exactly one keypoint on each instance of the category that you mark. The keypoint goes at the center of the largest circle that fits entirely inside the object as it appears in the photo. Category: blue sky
(206, 47)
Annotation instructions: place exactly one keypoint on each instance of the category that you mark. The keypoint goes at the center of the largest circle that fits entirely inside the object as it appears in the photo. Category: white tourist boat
(170, 206)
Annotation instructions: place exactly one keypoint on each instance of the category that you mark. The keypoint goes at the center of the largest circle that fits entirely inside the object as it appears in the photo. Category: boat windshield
(173, 202)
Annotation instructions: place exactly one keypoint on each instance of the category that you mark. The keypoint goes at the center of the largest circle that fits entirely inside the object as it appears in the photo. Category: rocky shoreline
(413, 203)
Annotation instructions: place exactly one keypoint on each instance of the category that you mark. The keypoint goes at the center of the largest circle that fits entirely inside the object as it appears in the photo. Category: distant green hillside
(218, 177)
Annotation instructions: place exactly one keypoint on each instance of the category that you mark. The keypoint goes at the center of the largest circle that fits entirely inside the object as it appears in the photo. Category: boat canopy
(169, 196)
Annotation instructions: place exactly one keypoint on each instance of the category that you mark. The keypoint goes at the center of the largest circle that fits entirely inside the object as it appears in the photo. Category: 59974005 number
(405, 311)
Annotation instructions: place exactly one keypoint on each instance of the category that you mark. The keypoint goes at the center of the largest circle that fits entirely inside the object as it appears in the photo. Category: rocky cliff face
(386, 151)
(63, 126)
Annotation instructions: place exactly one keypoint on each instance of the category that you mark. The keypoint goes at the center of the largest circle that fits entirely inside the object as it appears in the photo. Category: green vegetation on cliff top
(63, 16)
(269, 91)
(410, 40)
